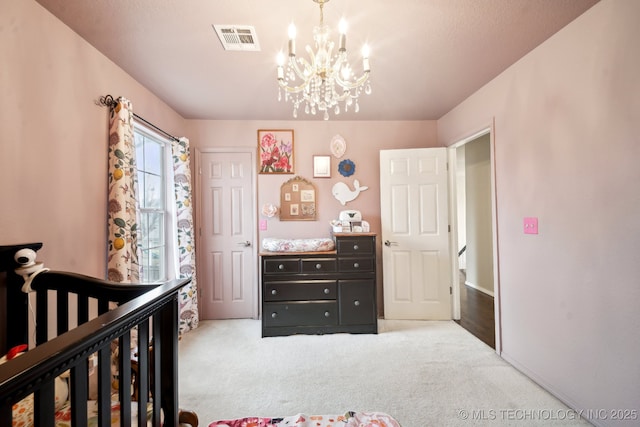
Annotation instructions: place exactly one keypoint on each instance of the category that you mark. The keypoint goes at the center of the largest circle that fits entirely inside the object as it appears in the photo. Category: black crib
(151, 309)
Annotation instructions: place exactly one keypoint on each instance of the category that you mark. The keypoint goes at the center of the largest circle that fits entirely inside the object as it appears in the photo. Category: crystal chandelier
(326, 80)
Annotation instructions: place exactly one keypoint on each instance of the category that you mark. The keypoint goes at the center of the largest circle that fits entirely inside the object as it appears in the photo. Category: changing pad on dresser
(320, 244)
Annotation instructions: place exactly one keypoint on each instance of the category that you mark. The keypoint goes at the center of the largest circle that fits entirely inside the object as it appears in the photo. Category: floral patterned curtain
(188, 296)
(122, 223)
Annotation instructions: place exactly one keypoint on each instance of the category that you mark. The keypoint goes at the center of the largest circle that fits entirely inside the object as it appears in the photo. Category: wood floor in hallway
(477, 315)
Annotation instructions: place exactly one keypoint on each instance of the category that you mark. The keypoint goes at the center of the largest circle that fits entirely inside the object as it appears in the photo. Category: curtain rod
(110, 101)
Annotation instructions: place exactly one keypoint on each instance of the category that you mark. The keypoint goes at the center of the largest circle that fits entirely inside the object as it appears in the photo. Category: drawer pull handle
(274, 315)
(318, 266)
(274, 292)
(355, 247)
(281, 267)
(356, 303)
(326, 291)
(327, 314)
(356, 265)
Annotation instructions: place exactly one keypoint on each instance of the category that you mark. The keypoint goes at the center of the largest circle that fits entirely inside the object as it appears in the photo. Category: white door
(227, 261)
(415, 234)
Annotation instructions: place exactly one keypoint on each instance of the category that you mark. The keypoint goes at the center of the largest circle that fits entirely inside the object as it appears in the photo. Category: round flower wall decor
(346, 167)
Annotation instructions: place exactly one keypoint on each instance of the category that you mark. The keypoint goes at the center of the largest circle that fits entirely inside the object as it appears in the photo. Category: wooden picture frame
(298, 200)
(322, 166)
(275, 151)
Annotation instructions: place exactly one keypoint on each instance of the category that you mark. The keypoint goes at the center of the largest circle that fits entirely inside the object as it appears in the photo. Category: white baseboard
(479, 288)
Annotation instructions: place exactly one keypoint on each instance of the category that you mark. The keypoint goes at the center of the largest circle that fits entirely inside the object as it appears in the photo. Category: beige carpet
(421, 373)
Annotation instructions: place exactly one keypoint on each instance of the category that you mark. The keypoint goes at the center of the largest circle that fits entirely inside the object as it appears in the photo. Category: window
(154, 213)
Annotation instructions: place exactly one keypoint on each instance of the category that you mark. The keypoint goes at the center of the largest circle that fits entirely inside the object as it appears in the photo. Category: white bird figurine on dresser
(344, 194)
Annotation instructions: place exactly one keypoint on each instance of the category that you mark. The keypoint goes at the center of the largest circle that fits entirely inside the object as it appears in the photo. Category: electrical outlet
(263, 224)
(531, 225)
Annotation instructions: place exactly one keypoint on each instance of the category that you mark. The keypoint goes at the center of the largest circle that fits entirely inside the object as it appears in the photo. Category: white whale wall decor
(344, 194)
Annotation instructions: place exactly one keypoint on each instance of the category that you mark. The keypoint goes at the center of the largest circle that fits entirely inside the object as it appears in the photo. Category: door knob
(388, 243)
(246, 243)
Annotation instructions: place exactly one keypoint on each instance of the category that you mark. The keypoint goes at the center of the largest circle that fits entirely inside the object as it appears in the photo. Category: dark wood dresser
(321, 292)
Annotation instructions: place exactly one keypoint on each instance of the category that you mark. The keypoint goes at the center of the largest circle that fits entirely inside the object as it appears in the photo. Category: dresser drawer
(319, 265)
(363, 245)
(301, 314)
(357, 302)
(297, 291)
(351, 265)
(281, 265)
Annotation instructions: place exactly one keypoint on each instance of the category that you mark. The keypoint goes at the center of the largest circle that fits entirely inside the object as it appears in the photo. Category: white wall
(567, 149)
(478, 214)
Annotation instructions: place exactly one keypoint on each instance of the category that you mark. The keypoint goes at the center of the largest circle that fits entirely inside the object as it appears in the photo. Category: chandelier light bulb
(365, 51)
(342, 26)
(292, 40)
(365, 58)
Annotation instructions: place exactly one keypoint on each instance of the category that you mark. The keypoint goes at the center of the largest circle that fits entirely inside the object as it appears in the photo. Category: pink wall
(364, 141)
(567, 148)
(53, 139)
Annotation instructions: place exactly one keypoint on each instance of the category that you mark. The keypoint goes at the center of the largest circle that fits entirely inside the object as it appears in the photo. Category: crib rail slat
(142, 377)
(79, 393)
(167, 343)
(124, 376)
(104, 386)
(44, 404)
(155, 366)
(42, 317)
(62, 311)
(83, 309)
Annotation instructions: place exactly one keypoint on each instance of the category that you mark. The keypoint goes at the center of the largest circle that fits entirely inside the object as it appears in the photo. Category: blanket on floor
(349, 419)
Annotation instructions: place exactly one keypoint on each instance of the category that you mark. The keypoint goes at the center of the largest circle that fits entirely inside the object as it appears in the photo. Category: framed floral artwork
(275, 151)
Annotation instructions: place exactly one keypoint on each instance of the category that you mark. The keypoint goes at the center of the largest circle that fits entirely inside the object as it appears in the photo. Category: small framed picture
(308, 196)
(322, 166)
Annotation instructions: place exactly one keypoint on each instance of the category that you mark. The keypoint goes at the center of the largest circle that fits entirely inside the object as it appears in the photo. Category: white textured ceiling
(426, 55)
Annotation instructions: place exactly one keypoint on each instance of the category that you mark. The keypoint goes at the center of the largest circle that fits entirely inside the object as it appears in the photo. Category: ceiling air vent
(237, 37)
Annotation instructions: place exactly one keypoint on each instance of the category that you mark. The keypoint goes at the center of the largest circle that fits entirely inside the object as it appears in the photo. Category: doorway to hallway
(475, 237)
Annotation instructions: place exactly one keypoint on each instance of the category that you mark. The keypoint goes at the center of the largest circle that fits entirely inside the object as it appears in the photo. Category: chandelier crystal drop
(326, 81)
